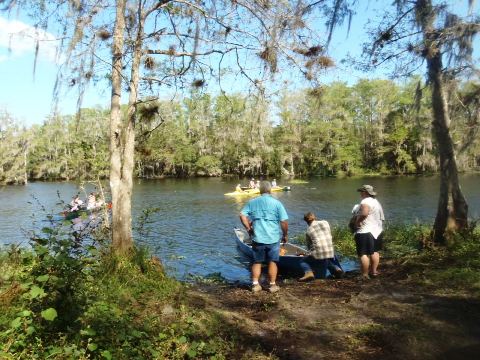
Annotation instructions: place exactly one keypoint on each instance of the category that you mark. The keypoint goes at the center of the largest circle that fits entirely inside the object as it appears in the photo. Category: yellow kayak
(256, 191)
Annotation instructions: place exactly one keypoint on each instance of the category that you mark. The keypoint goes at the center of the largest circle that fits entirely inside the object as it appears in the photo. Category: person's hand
(284, 238)
(250, 232)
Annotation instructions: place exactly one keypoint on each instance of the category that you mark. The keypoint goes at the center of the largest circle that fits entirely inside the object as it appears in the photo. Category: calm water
(192, 232)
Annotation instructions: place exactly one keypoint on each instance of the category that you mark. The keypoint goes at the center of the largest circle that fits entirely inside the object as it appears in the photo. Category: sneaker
(274, 288)
(309, 276)
(256, 288)
(339, 273)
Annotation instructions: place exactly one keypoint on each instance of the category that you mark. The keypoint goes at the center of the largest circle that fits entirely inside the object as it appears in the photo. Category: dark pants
(319, 265)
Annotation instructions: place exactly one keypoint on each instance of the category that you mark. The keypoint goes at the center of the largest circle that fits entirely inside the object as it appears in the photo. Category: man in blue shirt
(265, 219)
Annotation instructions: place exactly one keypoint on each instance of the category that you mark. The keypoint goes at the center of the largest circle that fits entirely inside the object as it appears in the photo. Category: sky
(28, 97)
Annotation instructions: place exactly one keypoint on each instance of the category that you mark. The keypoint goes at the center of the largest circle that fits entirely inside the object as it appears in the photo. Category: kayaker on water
(274, 183)
(91, 201)
(251, 184)
(75, 203)
(265, 219)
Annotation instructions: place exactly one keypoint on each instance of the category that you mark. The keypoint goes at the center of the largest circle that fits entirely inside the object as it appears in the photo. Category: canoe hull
(289, 263)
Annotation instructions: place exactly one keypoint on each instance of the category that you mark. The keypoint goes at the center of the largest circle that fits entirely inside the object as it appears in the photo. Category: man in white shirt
(369, 229)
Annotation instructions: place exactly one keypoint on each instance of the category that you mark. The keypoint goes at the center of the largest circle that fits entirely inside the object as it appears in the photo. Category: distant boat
(247, 191)
(70, 215)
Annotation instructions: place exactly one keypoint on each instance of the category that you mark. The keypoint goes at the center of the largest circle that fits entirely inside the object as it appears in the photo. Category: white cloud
(20, 39)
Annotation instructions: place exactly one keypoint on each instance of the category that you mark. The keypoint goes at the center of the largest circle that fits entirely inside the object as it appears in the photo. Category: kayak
(247, 192)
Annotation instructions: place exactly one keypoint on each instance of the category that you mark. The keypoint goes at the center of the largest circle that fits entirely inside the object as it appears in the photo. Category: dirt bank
(388, 317)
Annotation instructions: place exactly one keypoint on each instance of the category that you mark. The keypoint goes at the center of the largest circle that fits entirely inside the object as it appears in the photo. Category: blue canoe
(289, 262)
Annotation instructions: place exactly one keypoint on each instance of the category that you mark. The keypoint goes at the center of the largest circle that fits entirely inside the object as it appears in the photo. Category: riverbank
(424, 305)
(389, 317)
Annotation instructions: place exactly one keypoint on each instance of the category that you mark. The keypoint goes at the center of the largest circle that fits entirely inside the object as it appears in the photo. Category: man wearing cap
(369, 227)
(265, 219)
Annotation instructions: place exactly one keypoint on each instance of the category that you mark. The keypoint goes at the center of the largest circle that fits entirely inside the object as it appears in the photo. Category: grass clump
(455, 266)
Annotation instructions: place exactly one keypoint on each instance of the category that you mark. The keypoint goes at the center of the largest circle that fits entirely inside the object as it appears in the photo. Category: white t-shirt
(373, 223)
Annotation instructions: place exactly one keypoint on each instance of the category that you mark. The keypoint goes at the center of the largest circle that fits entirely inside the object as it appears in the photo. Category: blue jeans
(319, 265)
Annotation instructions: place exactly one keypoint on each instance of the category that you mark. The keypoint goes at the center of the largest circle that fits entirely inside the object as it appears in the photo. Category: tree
(244, 38)
(13, 151)
(422, 30)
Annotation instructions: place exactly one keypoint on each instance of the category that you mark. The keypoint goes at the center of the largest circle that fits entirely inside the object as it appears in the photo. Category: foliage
(341, 131)
(69, 297)
(343, 241)
(13, 151)
(456, 265)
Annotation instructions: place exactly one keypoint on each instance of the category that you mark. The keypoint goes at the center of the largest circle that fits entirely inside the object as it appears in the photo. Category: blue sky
(28, 97)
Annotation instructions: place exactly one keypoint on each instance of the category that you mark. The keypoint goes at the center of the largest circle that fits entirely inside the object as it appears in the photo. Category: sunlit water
(192, 232)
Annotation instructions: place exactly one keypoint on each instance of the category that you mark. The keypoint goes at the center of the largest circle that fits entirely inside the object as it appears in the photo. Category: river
(192, 232)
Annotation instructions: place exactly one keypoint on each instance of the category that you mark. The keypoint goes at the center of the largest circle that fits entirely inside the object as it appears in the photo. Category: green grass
(127, 309)
(455, 266)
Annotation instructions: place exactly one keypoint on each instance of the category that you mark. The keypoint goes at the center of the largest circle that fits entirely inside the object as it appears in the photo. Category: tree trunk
(452, 211)
(120, 180)
(25, 164)
(122, 139)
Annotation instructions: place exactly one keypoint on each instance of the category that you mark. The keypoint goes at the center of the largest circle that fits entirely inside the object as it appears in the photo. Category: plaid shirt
(319, 240)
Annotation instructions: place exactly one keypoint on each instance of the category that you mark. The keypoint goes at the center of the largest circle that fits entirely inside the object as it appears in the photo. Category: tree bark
(122, 133)
(120, 181)
(452, 211)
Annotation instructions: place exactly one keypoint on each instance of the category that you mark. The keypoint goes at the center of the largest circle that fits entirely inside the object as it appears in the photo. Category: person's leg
(364, 245)
(377, 246)
(321, 265)
(272, 256)
(307, 270)
(256, 272)
(334, 269)
(258, 259)
(375, 261)
(272, 272)
(305, 266)
(364, 265)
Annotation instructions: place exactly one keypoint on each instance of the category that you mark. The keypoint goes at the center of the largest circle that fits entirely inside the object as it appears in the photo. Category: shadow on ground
(389, 317)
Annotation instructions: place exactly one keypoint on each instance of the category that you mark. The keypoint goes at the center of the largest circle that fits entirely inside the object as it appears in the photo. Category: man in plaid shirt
(320, 246)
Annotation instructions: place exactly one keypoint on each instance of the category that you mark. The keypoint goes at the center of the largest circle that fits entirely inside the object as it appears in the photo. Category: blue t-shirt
(266, 213)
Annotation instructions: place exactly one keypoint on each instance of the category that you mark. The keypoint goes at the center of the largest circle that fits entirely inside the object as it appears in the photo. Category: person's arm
(284, 226)
(247, 224)
(362, 214)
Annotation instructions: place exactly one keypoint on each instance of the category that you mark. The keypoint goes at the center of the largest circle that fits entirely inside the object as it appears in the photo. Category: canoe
(249, 192)
(83, 212)
(289, 261)
(70, 215)
(290, 257)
